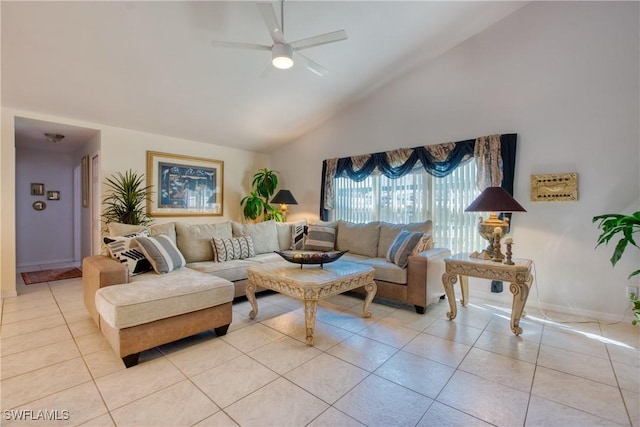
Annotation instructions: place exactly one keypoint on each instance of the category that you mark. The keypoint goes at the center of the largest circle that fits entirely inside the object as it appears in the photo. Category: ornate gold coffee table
(310, 284)
(518, 274)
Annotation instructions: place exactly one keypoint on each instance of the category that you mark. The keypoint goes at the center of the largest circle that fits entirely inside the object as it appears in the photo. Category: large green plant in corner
(256, 204)
(623, 226)
(127, 201)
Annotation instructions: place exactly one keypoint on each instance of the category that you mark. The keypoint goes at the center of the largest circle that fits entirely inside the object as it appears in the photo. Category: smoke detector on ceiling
(53, 137)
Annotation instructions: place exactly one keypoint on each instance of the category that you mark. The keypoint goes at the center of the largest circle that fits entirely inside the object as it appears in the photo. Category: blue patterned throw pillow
(402, 246)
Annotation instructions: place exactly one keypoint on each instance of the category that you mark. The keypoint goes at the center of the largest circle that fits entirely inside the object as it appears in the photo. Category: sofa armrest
(99, 271)
(424, 276)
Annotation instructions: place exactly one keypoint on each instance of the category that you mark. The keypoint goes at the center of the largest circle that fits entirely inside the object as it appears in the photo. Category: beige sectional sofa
(419, 283)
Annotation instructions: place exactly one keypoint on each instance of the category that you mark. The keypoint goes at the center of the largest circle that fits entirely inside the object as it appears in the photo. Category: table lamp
(493, 200)
(284, 198)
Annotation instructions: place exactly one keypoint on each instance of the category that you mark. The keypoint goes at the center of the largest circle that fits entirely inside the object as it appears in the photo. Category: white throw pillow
(124, 250)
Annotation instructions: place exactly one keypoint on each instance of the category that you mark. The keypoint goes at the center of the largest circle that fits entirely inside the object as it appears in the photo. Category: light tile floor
(395, 368)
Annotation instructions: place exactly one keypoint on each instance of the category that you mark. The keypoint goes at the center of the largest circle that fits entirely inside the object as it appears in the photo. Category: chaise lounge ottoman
(141, 315)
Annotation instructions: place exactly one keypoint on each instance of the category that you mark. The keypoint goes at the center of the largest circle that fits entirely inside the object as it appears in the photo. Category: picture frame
(53, 195)
(37, 189)
(39, 205)
(184, 185)
(84, 171)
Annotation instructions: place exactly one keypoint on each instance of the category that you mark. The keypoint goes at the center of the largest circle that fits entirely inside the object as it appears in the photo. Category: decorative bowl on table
(311, 257)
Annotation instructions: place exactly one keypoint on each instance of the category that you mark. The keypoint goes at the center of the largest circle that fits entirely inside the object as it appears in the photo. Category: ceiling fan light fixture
(281, 56)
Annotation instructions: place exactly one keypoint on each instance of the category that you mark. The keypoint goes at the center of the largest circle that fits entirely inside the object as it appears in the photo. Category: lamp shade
(284, 197)
(495, 199)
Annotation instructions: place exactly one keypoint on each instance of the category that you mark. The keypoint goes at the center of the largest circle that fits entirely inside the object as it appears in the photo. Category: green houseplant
(127, 201)
(624, 226)
(256, 204)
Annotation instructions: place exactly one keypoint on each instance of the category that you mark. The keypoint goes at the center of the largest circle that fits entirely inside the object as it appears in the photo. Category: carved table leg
(520, 293)
(464, 288)
(371, 289)
(448, 280)
(250, 291)
(310, 309)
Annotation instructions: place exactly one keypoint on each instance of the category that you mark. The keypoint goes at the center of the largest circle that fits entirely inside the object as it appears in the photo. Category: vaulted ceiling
(150, 66)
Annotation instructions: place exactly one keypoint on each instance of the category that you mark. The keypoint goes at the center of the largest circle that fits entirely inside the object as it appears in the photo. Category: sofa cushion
(162, 253)
(233, 248)
(131, 304)
(403, 246)
(388, 233)
(124, 249)
(284, 235)
(233, 270)
(382, 269)
(264, 235)
(267, 258)
(119, 229)
(320, 238)
(360, 239)
(168, 229)
(194, 241)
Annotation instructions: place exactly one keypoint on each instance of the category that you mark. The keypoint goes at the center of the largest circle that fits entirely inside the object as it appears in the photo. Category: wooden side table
(518, 274)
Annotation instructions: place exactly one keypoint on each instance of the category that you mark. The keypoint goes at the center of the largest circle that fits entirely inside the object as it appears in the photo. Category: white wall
(44, 236)
(120, 149)
(565, 77)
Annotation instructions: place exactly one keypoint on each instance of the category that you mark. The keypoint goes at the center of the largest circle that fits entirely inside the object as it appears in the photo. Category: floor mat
(52, 275)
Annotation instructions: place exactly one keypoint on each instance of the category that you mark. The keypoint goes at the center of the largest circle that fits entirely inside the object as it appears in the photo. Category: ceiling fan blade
(310, 65)
(236, 45)
(266, 70)
(332, 37)
(271, 21)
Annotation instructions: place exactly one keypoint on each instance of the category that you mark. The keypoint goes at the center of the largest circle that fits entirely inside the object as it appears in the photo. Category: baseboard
(49, 261)
(8, 294)
(533, 306)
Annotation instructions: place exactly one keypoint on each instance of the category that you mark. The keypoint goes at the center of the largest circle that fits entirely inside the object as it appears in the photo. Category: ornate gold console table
(310, 284)
(518, 274)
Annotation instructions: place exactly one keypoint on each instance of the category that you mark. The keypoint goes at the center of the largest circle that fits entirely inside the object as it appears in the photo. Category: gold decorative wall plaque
(561, 187)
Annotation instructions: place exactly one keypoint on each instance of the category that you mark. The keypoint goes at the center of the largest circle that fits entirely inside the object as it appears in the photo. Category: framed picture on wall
(84, 171)
(53, 195)
(184, 185)
(37, 189)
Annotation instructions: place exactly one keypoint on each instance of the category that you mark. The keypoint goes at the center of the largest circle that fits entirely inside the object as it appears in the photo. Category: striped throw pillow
(297, 235)
(162, 253)
(234, 248)
(320, 238)
(402, 246)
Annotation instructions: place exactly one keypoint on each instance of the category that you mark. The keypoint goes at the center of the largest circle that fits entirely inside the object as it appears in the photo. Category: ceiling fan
(283, 54)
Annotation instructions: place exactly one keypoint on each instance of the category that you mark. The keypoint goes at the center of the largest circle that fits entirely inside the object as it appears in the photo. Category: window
(417, 197)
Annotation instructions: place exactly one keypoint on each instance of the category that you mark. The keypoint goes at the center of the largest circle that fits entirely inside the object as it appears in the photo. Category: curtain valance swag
(495, 155)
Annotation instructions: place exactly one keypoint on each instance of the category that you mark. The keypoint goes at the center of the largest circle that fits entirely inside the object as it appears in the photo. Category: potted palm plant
(256, 204)
(624, 226)
(127, 201)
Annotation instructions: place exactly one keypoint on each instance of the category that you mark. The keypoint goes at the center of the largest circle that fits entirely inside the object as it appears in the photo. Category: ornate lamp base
(486, 228)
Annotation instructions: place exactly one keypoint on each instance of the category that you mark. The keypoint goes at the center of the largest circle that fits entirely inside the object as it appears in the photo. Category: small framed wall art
(37, 189)
(554, 187)
(39, 205)
(53, 195)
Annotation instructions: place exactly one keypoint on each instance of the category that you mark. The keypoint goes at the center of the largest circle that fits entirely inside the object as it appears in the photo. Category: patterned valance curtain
(495, 155)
